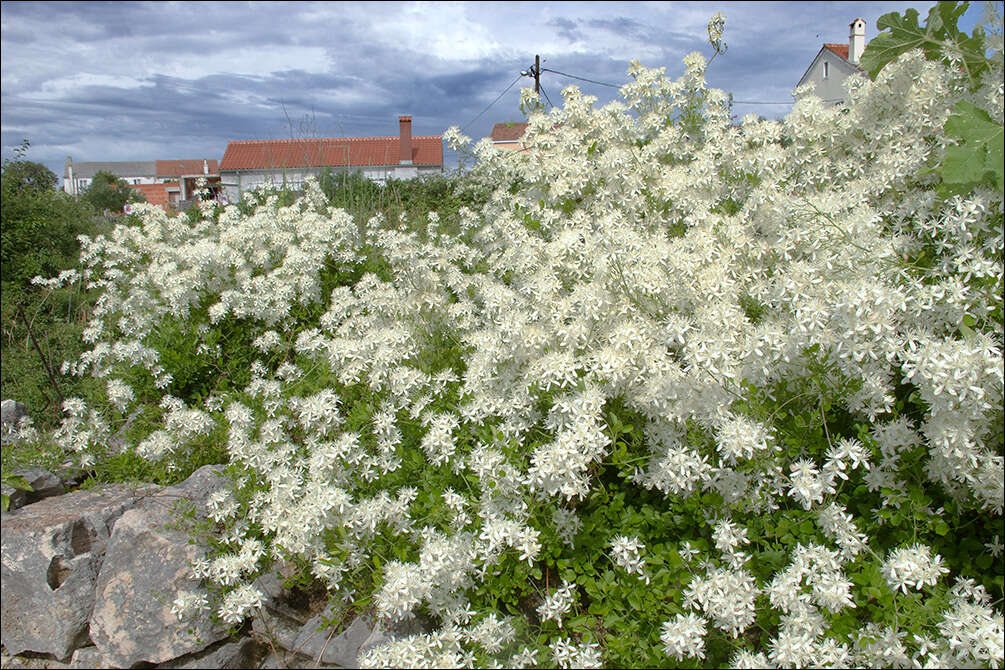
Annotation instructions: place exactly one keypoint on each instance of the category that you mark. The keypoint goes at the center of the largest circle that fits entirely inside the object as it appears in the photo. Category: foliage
(39, 230)
(658, 390)
(980, 148)
(38, 223)
(24, 175)
(939, 39)
(108, 193)
(979, 151)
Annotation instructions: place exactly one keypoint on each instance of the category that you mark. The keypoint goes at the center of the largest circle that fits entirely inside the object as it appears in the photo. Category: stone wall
(89, 578)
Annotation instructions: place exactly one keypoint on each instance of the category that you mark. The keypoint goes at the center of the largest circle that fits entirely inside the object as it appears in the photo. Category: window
(827, 67)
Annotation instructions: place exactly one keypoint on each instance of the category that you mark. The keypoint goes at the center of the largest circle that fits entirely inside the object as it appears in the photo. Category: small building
(185, 174)
(836, 62)
(248, 164)
(174, 179)
(77, 176)
(165, 194)
(508, 135)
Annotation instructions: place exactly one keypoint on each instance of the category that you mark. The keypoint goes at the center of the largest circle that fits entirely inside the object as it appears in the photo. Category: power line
(786, 102)
(492, 103)
(572, 76)
(546, 96)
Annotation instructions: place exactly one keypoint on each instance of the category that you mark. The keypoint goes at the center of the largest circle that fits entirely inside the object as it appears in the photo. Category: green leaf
(905, 34)
(940, 32)
(18, 482)
(981, 148)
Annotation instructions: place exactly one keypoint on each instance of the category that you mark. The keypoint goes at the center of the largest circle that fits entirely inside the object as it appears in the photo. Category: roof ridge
(335, 139)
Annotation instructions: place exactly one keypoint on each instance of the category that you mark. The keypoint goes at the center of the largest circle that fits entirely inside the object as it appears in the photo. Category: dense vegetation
(659, 390)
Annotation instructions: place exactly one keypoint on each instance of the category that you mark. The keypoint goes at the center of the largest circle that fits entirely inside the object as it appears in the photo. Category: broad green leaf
(905, 34)
(902, 33)
(981, 149)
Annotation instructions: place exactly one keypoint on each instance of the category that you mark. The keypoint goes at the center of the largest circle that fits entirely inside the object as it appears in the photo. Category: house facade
(508, 135)
(249, 164)
(834, 63)
(168, 182)
(78, 176)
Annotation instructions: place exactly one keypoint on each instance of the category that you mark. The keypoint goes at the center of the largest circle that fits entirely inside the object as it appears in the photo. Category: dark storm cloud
(139, 81)
(566, 28)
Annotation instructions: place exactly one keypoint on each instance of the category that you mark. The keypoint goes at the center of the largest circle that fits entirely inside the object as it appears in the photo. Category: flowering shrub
(679, 391)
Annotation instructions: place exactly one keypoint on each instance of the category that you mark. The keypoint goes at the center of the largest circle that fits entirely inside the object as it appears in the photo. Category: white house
(248, 164)
(77, 176)
(836, 62)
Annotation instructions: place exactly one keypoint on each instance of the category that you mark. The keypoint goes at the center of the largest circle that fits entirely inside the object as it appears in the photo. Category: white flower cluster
(684, 636)
(726, 596)
(912, 567)
(557, 604)
(681, 270)
(627, 553)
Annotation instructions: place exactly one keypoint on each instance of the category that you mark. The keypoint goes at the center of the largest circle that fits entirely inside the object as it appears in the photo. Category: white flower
(557, 604)
(912, 567)
(626, 552)
(684, 636)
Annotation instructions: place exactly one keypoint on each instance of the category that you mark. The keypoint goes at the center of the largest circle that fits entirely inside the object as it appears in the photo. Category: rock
(51, 553)
(284, 660)
(43, 483)
(379, 635)
(316, 642)
(11, 412)
(276, 630)
(243, 653)
(146, 566)
(89, 657)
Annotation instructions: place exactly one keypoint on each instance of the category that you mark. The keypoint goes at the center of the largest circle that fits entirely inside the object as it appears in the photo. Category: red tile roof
(187, 166)
(508, 132)
(330, 151)
(839, 49)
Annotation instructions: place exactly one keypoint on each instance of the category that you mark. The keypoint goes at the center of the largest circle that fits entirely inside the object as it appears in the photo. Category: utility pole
(534, 71)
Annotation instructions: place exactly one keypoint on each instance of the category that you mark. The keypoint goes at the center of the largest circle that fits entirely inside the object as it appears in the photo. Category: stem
(45, 363)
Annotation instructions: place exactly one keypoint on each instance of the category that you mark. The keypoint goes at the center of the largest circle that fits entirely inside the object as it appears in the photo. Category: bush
(108, 193)
(676, 391)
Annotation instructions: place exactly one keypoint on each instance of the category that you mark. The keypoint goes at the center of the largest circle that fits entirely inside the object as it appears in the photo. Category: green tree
(39, 224)
(107, 192)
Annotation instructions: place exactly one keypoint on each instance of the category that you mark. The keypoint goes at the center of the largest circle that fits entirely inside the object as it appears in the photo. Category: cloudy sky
(158, 80)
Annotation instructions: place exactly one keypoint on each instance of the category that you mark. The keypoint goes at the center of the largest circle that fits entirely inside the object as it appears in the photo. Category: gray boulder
(11, 412)
(145, 568)
(44, 484)
(226, 655)
(89, 657)
(317, 642)
(51, 552)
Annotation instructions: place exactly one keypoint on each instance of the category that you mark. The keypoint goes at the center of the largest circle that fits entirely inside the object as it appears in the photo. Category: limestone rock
(89, 657)
(11, 412)
(276, 629)
(44, 484)
(225, 655)
(146, 566)
(51, 552)
(316, 642)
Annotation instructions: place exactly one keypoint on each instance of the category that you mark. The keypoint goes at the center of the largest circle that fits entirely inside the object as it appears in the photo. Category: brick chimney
(856, 40)
(405, 131)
